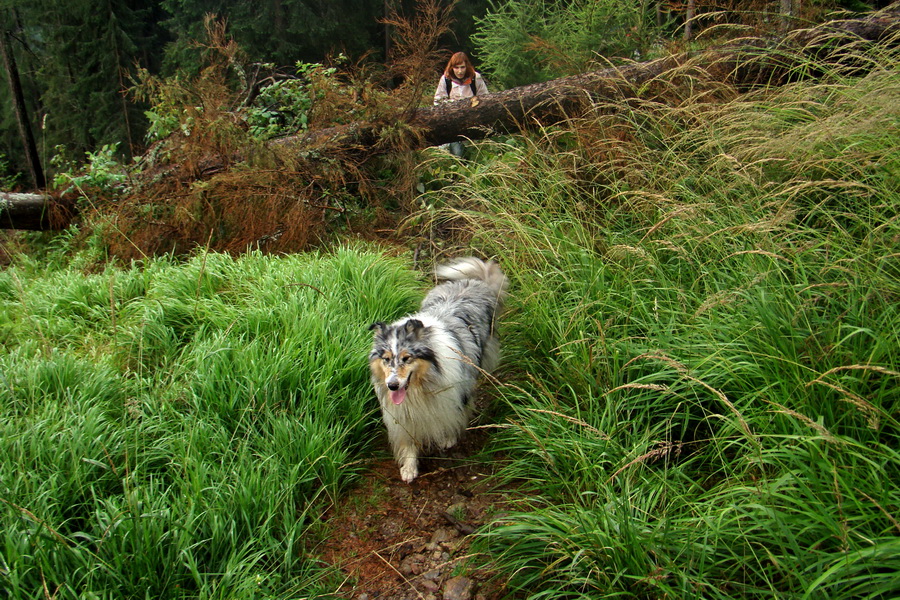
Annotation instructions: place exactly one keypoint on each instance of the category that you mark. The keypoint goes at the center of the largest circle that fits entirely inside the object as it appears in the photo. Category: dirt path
(398, 541)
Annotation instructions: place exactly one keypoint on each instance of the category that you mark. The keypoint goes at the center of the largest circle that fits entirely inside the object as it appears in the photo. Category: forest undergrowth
(698, 397)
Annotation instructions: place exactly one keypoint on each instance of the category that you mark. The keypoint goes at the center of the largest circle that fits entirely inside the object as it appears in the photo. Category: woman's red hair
(459, 58)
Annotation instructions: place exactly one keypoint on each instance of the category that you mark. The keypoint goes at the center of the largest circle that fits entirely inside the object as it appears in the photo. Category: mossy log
(35, 212)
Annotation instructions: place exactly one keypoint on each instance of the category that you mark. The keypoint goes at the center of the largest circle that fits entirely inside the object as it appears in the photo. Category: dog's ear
(377, 327)
(414, 327)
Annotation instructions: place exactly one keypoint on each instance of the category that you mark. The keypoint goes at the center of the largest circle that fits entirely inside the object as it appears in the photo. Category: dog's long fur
(425, 366)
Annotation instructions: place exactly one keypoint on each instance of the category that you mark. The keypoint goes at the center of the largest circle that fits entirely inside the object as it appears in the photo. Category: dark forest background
(78, 59)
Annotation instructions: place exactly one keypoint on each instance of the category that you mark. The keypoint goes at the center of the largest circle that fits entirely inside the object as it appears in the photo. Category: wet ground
(399, 541)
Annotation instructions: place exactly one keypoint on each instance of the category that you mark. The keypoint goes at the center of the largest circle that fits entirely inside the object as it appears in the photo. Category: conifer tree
(77, 56)
(18, 103)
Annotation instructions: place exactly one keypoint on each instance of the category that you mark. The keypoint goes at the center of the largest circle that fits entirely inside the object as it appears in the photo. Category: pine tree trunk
(689, 20)
(18, 100)
(35, 212)
(786, 14)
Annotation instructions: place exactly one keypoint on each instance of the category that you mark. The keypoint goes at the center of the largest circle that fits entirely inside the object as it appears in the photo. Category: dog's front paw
(409, 470)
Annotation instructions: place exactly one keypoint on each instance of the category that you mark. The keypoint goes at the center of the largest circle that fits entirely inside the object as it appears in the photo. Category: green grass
(705, 330)
(700, 396)
(176, 429)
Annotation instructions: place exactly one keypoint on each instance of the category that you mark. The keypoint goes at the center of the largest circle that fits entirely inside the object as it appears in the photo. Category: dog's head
(401, 356)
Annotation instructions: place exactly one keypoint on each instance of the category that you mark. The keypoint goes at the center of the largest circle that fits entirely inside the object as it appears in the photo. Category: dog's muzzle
(397, 392)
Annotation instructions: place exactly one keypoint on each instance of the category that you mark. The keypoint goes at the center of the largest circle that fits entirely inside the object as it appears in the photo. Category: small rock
(458, 588)
(456, 514)
(412, 564)
(389, 528)
(362, 597)
(458, 511)
(432, 574)
(429, 585)
(443, 535)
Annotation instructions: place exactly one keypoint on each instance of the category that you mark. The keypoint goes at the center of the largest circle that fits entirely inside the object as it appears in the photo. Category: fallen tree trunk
(743, 64)
(35, 212)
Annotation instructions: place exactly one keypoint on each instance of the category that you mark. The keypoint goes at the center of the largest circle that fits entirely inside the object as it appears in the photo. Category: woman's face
(459, 71)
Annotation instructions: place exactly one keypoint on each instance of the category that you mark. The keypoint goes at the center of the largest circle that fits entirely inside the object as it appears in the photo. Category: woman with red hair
(460, 80)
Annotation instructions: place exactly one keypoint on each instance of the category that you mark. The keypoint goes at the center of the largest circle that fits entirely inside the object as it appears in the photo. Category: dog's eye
(406, 359)
(386, 360)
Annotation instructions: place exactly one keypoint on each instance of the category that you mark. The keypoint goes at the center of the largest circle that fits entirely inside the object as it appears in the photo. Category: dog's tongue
(398, 396)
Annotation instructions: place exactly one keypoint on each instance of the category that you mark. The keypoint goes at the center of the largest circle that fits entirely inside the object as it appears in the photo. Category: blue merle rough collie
(425, 366)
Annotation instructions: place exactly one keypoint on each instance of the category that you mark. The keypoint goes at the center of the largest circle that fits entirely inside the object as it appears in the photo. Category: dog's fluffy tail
(474, 268)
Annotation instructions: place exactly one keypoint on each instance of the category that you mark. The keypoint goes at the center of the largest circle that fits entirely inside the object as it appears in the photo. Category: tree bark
(689, 20)
(786, 15)
(35, 212)
(18, 100)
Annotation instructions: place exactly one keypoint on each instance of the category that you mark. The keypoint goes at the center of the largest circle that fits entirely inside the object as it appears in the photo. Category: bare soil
(399, 541)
